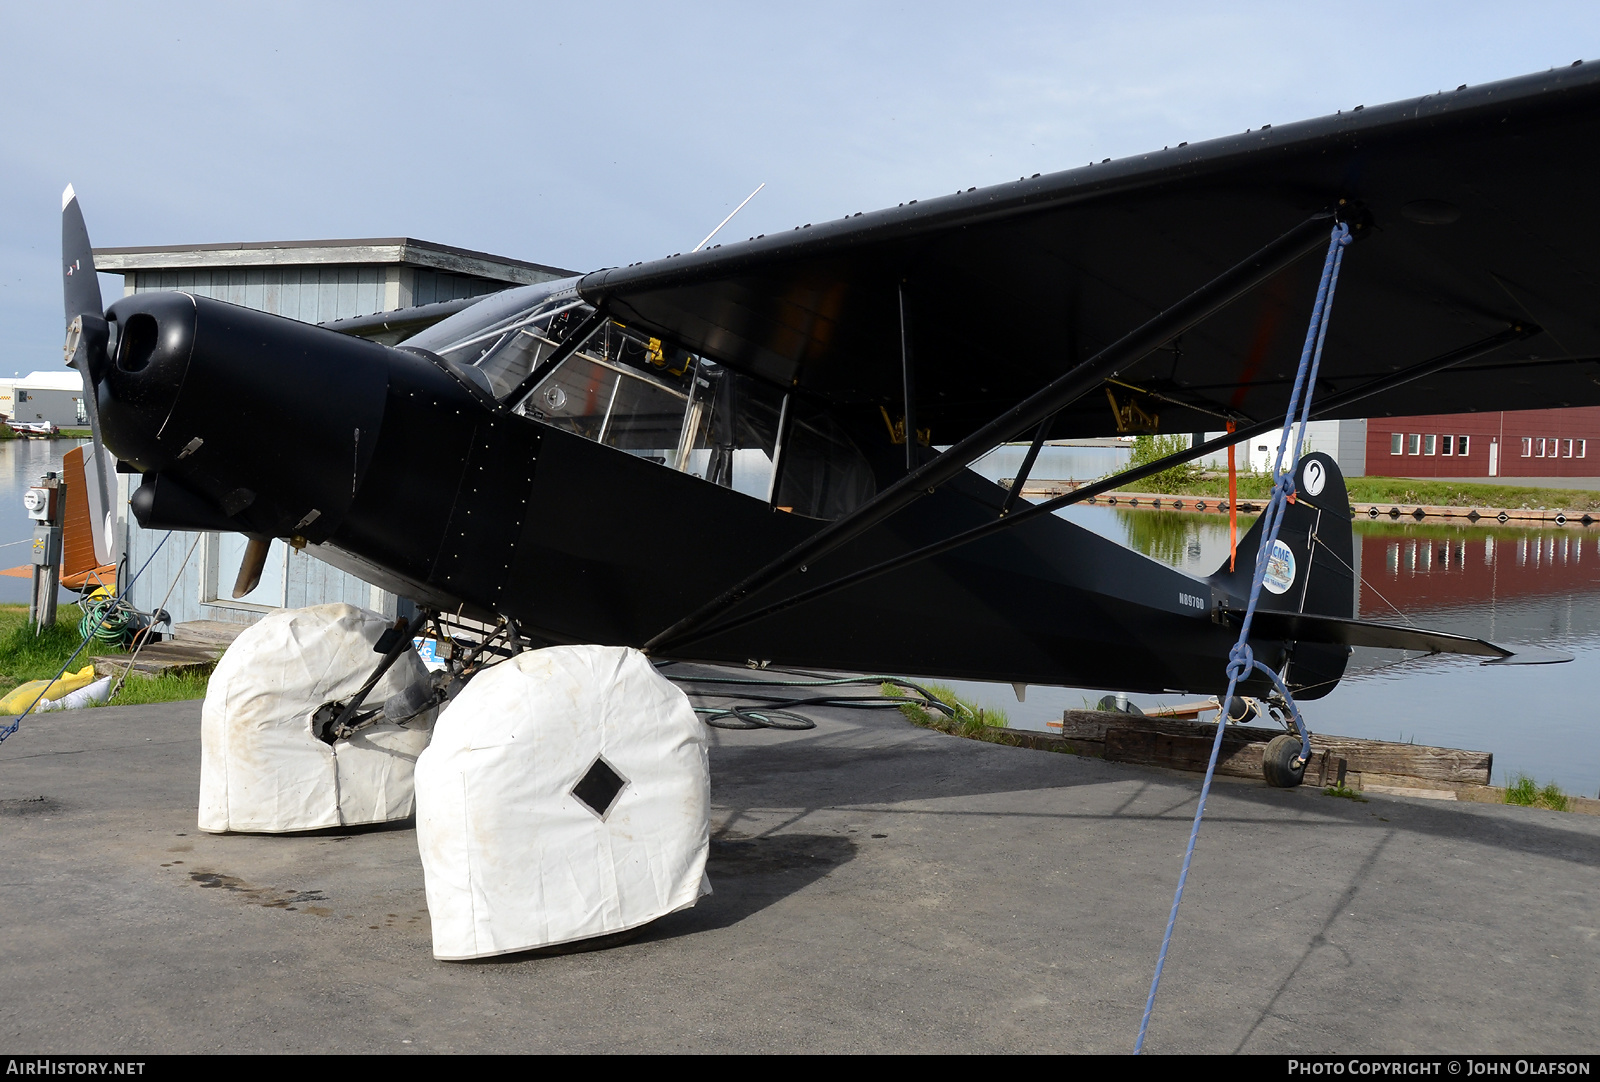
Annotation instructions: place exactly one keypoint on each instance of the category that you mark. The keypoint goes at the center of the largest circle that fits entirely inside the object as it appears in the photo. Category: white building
(1345, 441)
(44, 396)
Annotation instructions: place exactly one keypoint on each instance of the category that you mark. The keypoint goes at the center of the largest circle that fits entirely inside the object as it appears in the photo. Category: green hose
(108, 620)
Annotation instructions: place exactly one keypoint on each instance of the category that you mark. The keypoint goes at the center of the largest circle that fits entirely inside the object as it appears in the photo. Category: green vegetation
(26, 656)
(1344, 791)
(970, 720)
(1392, 490)
(1525, 791)
(1147, 449)
(172, 687)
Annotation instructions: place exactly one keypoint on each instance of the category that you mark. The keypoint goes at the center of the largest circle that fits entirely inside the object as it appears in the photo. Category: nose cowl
(139, 384)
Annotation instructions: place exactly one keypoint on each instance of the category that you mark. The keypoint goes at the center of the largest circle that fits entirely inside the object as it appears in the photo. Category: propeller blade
(80, 284)
(88, 340)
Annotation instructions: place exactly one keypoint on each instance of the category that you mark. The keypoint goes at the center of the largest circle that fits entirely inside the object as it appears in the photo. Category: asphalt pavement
(878, 888)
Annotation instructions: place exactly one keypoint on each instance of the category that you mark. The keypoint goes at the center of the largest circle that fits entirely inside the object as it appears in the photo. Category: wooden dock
(1156, 501)
(194, 646)
(1369, 766)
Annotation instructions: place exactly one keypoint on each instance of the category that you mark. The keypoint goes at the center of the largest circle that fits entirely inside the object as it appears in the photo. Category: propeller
(88, 349)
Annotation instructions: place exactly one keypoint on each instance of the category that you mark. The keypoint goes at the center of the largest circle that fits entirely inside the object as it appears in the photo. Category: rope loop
(1241, 659)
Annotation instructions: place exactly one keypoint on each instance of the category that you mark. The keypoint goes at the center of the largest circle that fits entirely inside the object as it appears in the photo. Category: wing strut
(1477, 349)
(573, 342)
(1210, 298)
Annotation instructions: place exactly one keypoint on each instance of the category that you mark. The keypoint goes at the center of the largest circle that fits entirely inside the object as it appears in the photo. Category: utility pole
(46, 502)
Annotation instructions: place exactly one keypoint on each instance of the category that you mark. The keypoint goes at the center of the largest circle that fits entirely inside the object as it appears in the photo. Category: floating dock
(1155, 501)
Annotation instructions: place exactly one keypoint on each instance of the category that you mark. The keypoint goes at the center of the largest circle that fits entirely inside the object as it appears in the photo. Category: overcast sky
(588, 134)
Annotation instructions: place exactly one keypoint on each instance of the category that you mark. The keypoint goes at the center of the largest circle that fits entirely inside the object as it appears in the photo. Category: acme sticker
(1280, 568)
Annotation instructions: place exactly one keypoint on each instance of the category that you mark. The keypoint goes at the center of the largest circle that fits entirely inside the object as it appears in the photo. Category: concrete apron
(878, 888)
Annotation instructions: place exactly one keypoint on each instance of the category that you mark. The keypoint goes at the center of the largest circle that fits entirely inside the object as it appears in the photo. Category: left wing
(396, 326)
(1474, 206)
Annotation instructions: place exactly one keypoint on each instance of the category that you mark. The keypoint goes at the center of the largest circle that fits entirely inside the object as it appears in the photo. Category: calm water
(22, 462)
(1507, 585)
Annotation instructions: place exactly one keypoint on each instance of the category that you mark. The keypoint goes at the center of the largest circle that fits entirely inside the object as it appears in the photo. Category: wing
(401, 323)
(1477, 212)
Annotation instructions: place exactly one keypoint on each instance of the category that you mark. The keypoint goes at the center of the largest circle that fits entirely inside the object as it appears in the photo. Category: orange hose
(1233, 508)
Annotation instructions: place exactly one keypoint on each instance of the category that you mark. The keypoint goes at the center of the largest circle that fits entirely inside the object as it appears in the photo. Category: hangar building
(312, 281)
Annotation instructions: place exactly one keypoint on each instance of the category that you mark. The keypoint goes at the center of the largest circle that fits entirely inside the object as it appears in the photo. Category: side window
(1396, 443)
(1527, 447)
(733, 429)
(1461, 445)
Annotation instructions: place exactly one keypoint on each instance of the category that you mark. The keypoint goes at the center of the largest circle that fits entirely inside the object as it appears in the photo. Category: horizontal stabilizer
(1338, 630)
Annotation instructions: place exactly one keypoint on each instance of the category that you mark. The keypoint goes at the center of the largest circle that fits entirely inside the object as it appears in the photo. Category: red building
(1518, 443)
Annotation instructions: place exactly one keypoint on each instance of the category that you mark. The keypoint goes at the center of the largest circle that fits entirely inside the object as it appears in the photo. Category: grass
(172, 687)
(970, 720)
(1393, 490)
(26, 656)
(1344, 791)
(1525, 791)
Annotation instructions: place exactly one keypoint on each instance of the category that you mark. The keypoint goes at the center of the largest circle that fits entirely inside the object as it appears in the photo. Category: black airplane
(758, 452)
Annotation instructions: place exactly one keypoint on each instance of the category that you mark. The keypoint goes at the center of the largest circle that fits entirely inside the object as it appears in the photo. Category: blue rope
(1241, 661)
(122, 593)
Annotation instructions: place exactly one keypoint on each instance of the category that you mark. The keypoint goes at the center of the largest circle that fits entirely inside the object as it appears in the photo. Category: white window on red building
(1538, 447)
(1566, 448)
(1430, 443)
(1396, 443)
(1582, 446)
(1447, 445)
(1527, 447)
(1461, 445)
(1413, 444)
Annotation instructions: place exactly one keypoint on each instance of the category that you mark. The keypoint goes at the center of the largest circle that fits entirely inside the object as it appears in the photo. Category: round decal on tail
(1314, 477)
(1280, 568)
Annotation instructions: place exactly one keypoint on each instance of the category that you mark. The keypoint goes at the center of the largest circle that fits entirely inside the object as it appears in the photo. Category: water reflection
(1505, 583)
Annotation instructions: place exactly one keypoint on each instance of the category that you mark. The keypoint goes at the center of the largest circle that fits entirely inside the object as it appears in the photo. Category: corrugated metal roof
(406, 251)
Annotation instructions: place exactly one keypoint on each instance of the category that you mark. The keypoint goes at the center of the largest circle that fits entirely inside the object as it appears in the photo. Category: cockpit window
(688, 413)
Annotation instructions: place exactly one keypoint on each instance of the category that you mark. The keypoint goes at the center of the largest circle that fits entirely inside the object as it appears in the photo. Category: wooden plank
(1186, 745)
(1238, 757)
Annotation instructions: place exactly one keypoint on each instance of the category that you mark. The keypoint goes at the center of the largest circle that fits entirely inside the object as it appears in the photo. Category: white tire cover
(261, 766)
(512, 859)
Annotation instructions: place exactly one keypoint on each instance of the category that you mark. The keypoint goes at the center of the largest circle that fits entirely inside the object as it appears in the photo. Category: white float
(263, 769)
(566, 795)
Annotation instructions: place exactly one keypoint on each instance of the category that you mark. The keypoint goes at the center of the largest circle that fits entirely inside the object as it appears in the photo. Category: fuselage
(401, 467)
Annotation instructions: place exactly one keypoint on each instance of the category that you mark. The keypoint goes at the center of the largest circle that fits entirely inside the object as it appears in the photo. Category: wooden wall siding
(309, 581)
(311, 294)
(431, 286)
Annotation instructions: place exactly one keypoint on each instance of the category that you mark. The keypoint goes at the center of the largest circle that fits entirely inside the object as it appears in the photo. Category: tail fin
(1311, 569)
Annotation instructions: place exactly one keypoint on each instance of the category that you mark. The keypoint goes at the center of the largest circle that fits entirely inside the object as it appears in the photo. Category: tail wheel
(1277, 764)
